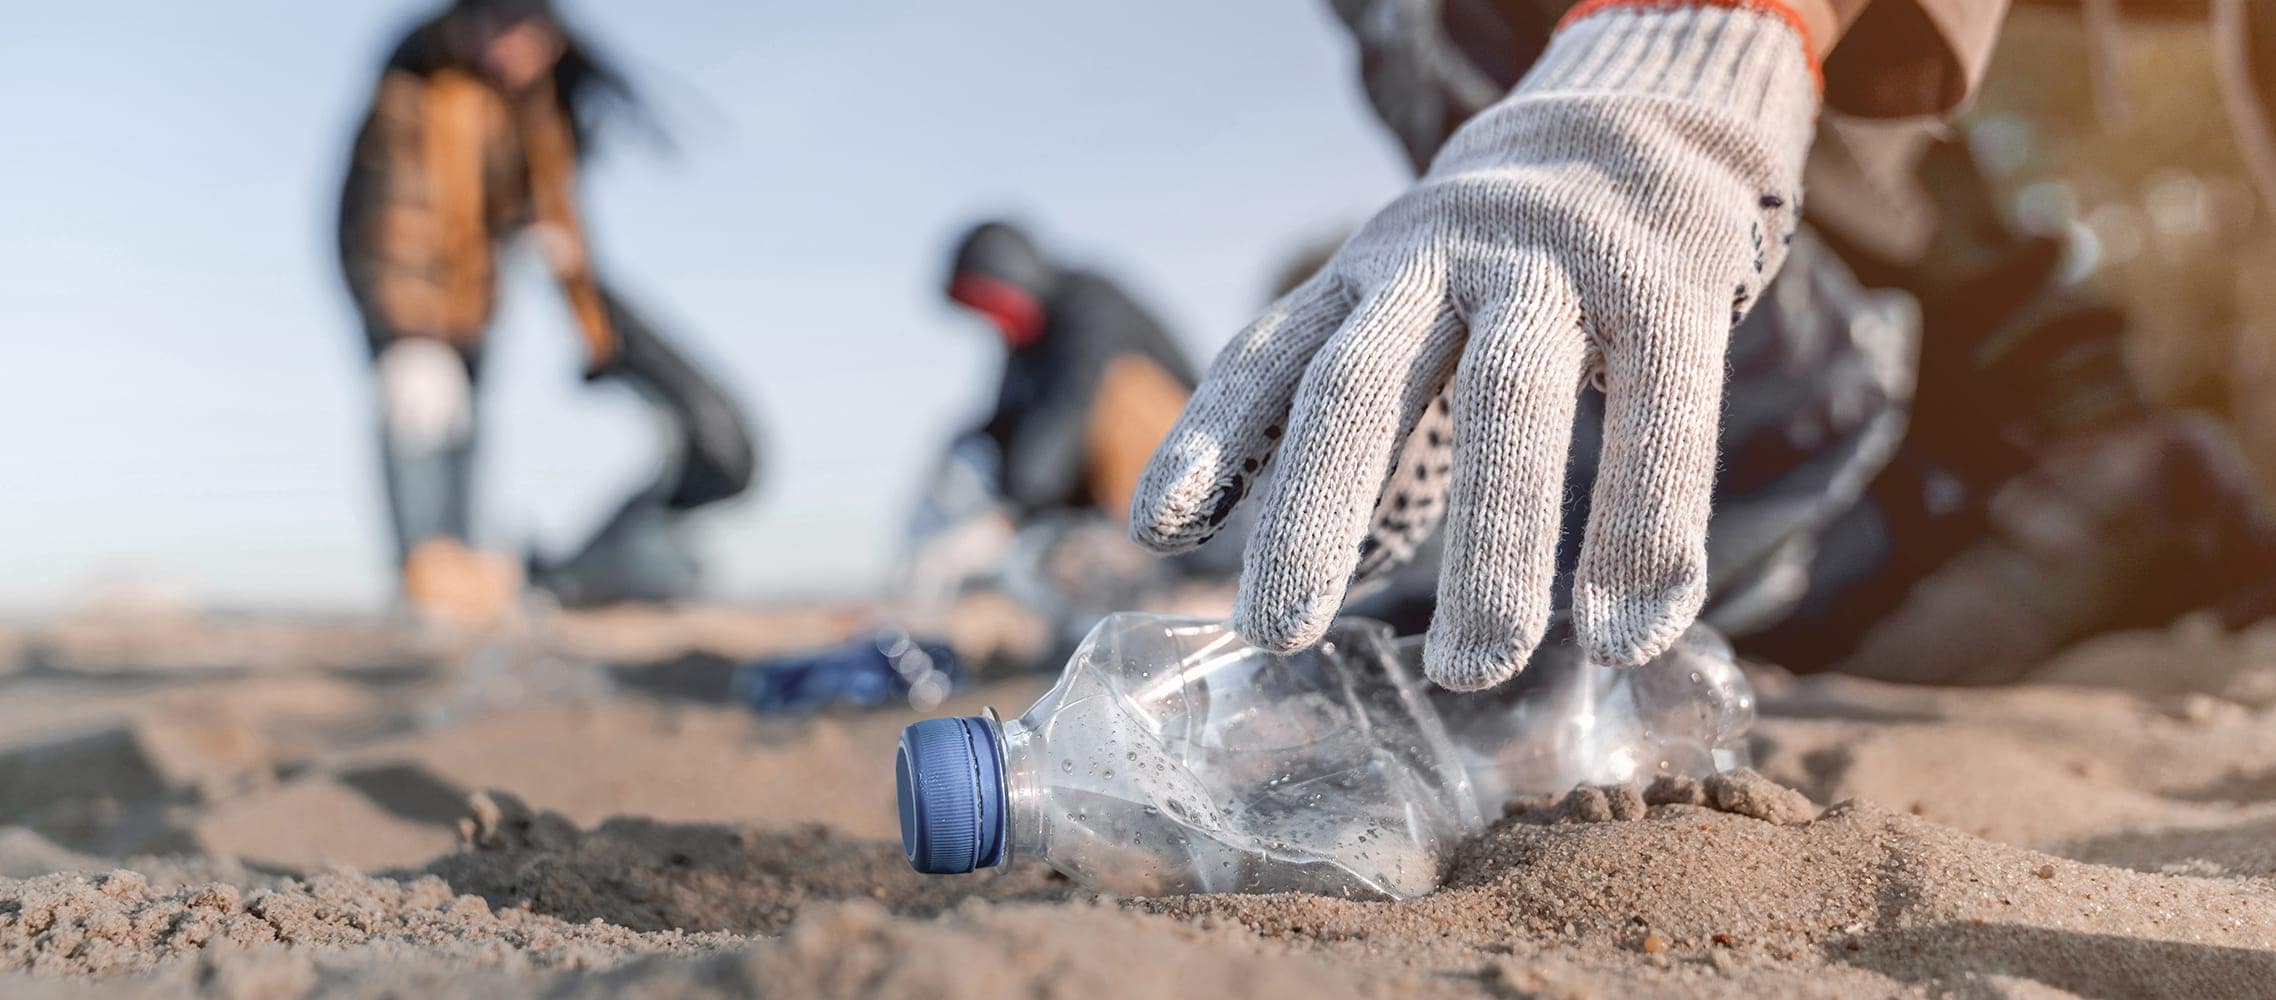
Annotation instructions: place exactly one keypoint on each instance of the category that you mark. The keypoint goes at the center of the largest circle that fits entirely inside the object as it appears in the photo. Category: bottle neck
(1025, 765)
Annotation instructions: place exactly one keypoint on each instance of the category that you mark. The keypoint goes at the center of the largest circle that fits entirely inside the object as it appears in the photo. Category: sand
(281, 809)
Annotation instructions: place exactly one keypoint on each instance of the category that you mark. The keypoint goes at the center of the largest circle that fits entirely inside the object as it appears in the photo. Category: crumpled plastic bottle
(1174, 758)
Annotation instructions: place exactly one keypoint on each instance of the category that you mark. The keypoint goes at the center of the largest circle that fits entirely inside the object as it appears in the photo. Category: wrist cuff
(1747, 56)
(1773, 8)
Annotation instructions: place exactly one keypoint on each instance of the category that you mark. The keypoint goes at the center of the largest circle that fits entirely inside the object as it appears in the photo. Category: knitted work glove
(1610, 220)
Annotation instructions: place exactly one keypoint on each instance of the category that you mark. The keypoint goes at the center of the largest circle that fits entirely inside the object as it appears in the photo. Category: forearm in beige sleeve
(1901, 58)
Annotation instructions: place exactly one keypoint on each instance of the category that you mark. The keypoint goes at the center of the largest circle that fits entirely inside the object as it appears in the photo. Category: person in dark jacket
(1090, 382)
(481, 119)
(1948, 496)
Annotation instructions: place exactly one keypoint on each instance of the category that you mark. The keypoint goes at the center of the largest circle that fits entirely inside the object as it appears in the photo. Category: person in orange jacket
(482, 117)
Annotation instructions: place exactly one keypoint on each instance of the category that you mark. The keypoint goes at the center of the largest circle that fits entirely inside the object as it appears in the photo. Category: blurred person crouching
(481, 120)
(1033, 500)
(1090, 379)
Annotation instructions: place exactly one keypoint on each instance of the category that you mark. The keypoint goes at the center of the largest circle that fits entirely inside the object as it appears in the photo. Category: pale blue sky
(185, 400)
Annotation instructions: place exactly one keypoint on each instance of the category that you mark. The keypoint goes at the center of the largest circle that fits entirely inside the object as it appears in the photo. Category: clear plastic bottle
(1174, 758)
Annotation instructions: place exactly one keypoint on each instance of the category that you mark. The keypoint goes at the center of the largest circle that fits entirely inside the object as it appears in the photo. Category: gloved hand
(1611, 219)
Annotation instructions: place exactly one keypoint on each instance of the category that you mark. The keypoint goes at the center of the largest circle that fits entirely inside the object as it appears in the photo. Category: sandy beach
(230, 807)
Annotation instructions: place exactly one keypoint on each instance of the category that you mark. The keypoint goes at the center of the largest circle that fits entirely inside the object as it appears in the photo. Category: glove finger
(1514, 400)
(1212, 455)
(1413, 501)
(1643, 565)
(1370, 382)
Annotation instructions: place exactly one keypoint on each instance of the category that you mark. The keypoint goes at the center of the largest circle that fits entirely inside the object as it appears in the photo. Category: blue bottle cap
(950, 779)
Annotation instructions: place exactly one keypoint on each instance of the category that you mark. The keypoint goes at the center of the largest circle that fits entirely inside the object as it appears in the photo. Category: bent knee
(426, 396)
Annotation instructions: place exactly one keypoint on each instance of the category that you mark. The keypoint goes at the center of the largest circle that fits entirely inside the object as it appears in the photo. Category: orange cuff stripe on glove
(1774, 8)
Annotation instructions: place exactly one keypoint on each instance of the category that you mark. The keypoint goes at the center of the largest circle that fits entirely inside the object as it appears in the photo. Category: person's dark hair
(590, 87)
